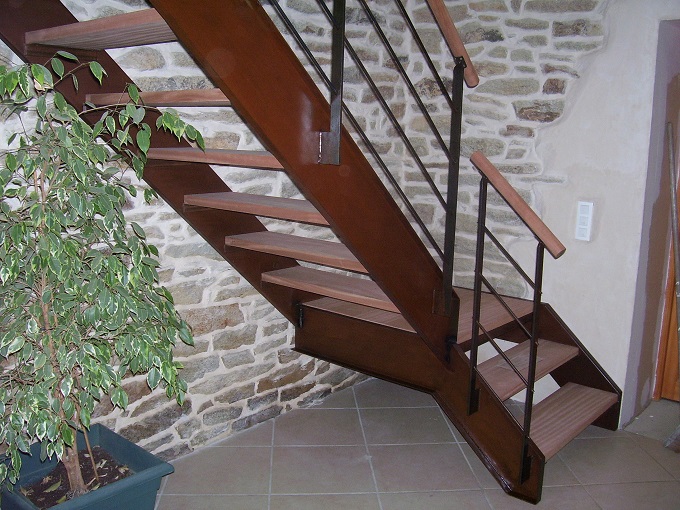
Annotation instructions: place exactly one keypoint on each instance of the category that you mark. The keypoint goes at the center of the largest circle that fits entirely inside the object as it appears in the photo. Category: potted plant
(80, 303)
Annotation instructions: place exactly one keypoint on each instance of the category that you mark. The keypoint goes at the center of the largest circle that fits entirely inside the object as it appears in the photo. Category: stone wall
(242, 370)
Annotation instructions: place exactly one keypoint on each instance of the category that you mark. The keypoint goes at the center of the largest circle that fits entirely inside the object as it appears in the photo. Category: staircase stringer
(403, 358)
(243, 53)
(170, 180)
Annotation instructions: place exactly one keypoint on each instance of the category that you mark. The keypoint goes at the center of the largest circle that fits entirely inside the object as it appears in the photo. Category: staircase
(402, 321)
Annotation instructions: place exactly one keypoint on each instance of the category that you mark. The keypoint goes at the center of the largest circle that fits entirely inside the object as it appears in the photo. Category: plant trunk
(75, 476)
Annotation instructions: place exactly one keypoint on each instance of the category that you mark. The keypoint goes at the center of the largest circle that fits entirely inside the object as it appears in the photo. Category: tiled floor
(379, 446)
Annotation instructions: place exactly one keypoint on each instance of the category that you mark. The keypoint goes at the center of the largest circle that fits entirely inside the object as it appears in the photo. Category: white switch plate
(584, 221)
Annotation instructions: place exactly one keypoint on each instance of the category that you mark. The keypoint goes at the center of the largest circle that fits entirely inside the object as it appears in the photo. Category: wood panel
(325, 253)
(226, 157)
(270, 207)
(123, 30)
(171, 98)
(338, 286)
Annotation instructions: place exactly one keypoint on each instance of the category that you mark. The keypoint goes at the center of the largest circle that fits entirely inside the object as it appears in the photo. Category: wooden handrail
(517, 203)
(453, 40)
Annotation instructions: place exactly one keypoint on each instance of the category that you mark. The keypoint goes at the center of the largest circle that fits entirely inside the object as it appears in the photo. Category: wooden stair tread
(122, 30)
(360, 312)
(493, 314)
(260, 205)
(338, 286)
(565, 414)
(226, 157)
(503, 379)
(316, 251)
(171, 98)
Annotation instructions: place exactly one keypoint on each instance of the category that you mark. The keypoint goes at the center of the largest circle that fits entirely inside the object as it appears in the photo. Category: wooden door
(667, 381)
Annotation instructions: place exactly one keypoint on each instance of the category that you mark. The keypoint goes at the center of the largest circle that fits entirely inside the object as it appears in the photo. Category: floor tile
(340, 400)
(405, 426)
(326, 502)
(658, 421)
(611, 460)
(319, 427)
(553, 498)
(260, 435)
(243, 470)
(668, 459)
(321, 469)
(182, 502)
(486, 479)
(441, 500)
(637, 496)
(421, 468)
(378, 393)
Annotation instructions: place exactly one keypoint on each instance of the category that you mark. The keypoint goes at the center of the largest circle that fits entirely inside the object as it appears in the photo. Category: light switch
(584, 221)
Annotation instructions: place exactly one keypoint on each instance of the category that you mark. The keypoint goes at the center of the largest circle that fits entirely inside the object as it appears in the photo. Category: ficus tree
(81, 306)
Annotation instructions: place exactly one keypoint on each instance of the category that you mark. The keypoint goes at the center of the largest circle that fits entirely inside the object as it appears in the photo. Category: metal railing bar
(355, 125)
(423, 51)
(509, 257)
(405, 76)
(505, 305)
(388, 111)
(501, 352)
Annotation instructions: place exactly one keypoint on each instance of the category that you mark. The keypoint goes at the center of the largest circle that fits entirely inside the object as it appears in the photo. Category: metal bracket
(300, 315)
(525, 472)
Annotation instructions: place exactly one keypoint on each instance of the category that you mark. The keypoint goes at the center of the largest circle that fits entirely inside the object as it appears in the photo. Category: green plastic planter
(137, 491)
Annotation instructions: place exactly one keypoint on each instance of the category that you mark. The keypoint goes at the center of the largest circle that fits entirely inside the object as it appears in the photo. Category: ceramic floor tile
(405, 426)
(421, 468)
(321, 469)
(658, 421)
(637, 496)
(326, 502)
(486, 480)
(553, 498)
(668, 459)
(260, 435)
(611, 460)
(378, 393)
(319, 427)
(243, 470)
(213, 502)
(443, 500)
(340, 400)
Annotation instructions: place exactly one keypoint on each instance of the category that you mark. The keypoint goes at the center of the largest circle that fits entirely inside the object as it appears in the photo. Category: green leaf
(15, 345)
(67, 434)
(58, 66)
(139, 231)
(97, 70)
(119, 398)
(67, 55)
(144, 139)
(153, 378)
(133, 92)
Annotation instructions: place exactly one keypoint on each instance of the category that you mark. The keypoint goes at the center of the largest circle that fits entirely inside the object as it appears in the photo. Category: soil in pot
(54, 488)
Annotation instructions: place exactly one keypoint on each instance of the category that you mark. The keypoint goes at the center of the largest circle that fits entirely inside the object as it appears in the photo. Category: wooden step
(325, 253)
(503, 379)
(122, 30)
(259, 205)
(565, 414)
(362, 313)
(494, 317)
(226, 157)
(169, 98)
(338, 286)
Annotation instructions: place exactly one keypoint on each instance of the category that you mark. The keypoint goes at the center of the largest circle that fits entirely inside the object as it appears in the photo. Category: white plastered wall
(608, 289)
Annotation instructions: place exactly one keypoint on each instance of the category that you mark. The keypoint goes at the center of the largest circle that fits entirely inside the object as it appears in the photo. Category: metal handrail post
(452, 184)
(473, 392)
(529, 401)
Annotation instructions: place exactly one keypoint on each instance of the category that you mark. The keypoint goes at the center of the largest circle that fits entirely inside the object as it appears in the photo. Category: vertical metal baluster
(452, 185)
(531, 379)
(330, 141)
(473, 392)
